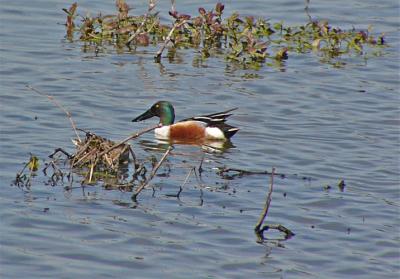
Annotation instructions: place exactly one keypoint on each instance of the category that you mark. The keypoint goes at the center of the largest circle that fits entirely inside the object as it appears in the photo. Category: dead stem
(152, 174)
(240, 172)
(288, 233)
(152, 5)
(177, 24)
(307, 10)
(51, 98)
(224, 172)
(128, 139)
(134, 161)
(173, 9)
(22, 179)
(81, 152)
(183, 184)
(200, 168)
(91, 173)
(57, 150)
(260, 231)
(85, 156)
(187, 177)
(267, 203)
(201, 198)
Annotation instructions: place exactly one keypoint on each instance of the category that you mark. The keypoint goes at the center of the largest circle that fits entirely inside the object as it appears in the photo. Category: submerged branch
(225, 173)
(288, 233)
(240, 172)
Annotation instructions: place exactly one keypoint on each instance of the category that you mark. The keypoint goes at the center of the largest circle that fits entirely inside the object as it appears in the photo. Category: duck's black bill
(148, 114)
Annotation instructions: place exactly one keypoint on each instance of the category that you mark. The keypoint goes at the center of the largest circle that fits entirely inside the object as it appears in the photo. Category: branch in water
(153, 173)
(260, 231)
(51, 98)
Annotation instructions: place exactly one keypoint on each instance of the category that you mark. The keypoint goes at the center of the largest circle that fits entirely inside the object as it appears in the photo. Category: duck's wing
(213, 119)
(216, 120)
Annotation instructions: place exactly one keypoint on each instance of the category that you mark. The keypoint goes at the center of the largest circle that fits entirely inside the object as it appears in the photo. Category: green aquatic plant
(24, 176)
(245, 40)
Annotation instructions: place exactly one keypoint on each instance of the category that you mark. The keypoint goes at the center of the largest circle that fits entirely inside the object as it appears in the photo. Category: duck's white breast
(162, 132)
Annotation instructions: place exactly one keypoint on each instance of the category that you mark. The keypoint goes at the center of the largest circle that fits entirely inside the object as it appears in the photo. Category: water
(306, 118)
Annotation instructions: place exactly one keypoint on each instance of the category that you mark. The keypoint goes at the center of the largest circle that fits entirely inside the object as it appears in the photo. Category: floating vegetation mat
(95, 159)
(248, 41)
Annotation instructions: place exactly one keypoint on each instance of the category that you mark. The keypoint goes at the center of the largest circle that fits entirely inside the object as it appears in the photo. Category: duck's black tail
(228, 130)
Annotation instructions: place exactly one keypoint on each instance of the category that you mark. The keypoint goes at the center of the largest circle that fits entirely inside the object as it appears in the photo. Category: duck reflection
(217, 147)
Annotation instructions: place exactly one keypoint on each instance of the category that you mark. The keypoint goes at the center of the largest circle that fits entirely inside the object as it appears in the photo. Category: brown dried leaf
(123, 9)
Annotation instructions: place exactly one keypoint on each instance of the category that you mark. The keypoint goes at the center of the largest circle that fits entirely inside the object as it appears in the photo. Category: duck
(210, 127)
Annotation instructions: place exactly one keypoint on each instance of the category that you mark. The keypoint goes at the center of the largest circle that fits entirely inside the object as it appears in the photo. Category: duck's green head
(163, 109)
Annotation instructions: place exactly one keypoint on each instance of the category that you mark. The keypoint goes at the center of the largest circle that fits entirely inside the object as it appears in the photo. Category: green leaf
(33, 164)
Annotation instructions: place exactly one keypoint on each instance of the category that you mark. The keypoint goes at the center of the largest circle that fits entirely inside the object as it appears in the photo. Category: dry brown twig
(239, 172)
(95, 149)
(260, 231)
(152, 5)
(177, 195)
(267, 203)
(53, 100)
(152, 174)
(138, 134)
(177, 24)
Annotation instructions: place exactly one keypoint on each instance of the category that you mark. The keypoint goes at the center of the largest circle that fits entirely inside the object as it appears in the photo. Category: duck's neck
(167, 116)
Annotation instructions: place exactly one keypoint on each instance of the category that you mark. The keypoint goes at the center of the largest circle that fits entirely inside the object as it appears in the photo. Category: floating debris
(341, 185)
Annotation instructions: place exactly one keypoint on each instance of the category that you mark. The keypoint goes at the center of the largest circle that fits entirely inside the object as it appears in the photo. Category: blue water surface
(307, 118)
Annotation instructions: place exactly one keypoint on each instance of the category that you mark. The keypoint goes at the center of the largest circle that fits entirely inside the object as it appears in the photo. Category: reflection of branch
(201, 198)
(260, 231)
(51, 98)
(224, 173)
(183, 184)
(200, 168)
(288, 233)
(62, 151)
(177, 24)
(153, 173)
(152, 5)
(240, 172)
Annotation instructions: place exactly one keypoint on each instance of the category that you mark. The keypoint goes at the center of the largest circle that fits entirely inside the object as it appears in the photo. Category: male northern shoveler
(209, 127)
